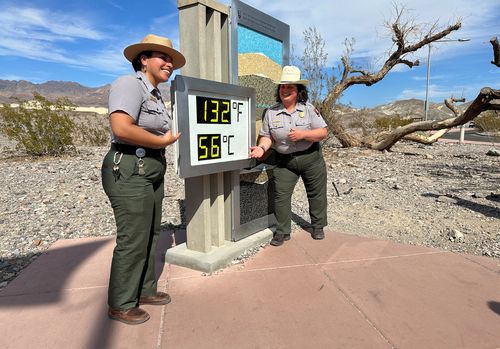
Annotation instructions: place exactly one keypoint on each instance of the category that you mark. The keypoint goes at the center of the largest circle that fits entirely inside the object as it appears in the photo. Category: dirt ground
(445, 196)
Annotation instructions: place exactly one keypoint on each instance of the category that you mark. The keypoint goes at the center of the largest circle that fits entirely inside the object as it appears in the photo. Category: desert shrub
(40, 127)
(488, 121)
(94, 135)
(390, 122)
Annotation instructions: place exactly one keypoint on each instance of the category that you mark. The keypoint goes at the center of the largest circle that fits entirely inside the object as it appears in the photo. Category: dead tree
(488, 99)
(496, 51)
(402, 30)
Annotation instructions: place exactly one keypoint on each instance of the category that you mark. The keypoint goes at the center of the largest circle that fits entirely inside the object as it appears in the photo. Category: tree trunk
(482, 103)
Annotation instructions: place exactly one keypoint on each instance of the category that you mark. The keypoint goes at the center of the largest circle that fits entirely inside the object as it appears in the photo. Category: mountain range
(98, 97)
(80, 95)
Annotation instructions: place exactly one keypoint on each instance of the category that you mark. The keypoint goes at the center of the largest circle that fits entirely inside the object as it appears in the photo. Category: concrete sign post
(217, 121)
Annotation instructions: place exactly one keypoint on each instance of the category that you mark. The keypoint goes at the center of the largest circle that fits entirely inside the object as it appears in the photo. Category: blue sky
(83, 41)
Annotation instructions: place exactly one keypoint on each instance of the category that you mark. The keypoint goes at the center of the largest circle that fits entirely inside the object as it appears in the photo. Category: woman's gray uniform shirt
(278, 122)
(137, 97)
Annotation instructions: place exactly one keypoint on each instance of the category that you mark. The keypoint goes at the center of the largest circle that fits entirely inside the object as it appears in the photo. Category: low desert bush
(389, 123)
(40, 127)
(94, 135)
(488, 121)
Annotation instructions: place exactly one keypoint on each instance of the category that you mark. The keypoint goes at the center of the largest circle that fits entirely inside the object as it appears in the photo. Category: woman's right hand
(256, 152)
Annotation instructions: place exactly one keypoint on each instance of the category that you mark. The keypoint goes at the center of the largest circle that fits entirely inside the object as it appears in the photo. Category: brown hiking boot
(160, 298)
(132, 316)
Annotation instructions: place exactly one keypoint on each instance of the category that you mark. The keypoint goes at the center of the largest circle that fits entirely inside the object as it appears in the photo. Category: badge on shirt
(153, 98)
(301, 114)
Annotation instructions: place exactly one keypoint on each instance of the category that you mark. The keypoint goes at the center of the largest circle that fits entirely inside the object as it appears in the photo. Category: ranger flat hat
(156, 43)
(291, 75)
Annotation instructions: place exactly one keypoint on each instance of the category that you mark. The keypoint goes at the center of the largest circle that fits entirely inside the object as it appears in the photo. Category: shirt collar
(149, 86)
(298, 108)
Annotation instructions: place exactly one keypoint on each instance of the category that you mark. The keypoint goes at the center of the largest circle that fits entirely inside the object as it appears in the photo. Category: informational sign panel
(259, 49)
(253, 31)
(217, 126)
(260, 46)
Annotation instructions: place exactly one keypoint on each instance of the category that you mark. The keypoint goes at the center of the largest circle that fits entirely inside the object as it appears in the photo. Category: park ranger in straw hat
(133, 175)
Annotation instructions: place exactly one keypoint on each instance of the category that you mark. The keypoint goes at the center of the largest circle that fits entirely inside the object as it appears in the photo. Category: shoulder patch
(313, 109)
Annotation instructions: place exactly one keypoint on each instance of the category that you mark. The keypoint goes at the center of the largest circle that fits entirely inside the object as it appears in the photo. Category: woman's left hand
(315, 135)
(296, 135)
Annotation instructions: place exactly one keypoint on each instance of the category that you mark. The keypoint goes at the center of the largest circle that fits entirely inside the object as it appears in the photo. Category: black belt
(314, 147)
(133, 150)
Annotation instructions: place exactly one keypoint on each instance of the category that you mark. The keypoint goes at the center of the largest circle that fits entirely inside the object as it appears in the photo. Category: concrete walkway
(342, 292)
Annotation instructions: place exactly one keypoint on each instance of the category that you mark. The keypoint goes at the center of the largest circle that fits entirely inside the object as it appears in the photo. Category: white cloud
(439, 92)
(363, 20)
(115, 5)
(111, 61)
(435, 92)
(52, 25)
(38, 34)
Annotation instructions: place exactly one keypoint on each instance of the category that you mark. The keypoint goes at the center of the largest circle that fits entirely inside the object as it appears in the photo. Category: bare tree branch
(496, 51)
(409, 63)
(450, 103)
(360, 71)
(492, 106)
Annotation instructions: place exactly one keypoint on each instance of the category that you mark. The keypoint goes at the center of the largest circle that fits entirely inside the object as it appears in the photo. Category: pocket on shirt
(151, 107)
(276, 130)
(303, 124)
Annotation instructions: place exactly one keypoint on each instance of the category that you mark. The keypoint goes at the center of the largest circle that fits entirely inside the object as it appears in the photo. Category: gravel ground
(445, 196)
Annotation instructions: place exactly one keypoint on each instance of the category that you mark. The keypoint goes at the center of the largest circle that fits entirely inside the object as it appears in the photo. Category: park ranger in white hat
(294, 128)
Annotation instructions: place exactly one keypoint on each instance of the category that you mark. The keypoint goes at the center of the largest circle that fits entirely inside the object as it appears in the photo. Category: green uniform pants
(311, 168)
(137, 205)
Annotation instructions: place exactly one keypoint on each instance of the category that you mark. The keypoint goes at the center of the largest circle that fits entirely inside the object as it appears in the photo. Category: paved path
(342, 292)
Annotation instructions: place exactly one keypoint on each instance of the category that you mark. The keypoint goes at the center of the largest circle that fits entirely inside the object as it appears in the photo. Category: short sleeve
(264, 129)
(317, 120)
(126, 95)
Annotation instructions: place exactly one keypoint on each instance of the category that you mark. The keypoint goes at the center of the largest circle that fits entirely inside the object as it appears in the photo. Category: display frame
(182, 88)
(259, 22)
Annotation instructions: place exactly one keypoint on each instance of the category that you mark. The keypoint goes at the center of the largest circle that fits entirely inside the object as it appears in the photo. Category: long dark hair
(302, 95)
(136, 62)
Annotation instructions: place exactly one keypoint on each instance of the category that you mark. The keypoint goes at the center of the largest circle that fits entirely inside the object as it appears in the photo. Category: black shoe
(279, 239)
(318, 234)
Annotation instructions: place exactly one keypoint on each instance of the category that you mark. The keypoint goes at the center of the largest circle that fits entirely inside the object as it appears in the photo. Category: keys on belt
(139, 152)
